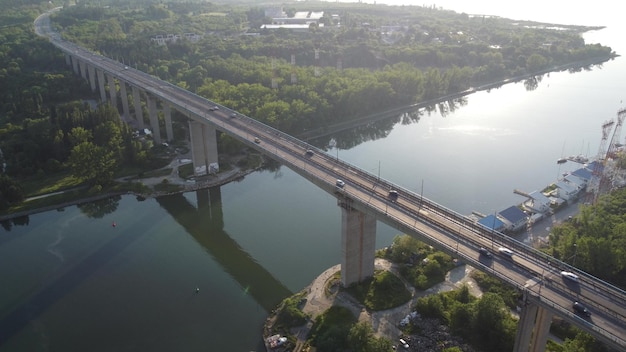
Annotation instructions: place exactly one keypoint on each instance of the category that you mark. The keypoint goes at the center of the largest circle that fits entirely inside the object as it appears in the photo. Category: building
(566, 191)
(301, 20)
(491, 222)
(514, 218)
(537, 203)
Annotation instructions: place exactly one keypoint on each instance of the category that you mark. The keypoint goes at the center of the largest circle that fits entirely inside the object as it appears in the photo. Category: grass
(49, 183)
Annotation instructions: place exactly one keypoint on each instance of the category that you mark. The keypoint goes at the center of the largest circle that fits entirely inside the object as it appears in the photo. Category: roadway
(532, 272)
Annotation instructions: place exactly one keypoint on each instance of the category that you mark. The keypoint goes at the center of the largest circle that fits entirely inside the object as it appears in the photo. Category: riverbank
(353, 123)
(183, 185)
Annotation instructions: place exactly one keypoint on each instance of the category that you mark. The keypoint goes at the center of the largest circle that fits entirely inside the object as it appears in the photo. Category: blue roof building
(491, 222)
(514, 218)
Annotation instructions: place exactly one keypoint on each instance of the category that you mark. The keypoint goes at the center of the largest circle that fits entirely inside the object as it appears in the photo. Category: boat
(561, 160)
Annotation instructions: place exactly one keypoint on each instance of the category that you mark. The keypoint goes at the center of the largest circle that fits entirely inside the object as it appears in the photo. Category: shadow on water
(22, 315)
(206, 224)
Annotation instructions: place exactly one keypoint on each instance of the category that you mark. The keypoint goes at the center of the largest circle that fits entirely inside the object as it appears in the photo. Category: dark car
(484, 252)
(309, 152)
(581, 309)
(393, 195)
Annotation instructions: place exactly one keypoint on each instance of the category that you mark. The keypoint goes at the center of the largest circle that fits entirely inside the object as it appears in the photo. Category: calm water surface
(73, 282)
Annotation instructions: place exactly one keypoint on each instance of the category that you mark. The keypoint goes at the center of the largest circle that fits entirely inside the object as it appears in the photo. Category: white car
(404, 344)
(505, 251)
(569, 275)
(340, 183)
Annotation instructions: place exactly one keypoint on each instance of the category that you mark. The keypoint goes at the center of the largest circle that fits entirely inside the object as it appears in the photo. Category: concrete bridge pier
(124, 96)
(75, 64)
(112, 90)
(203, 148)
(167, 116)
(154, 119)
(138, 108)
(101, 84)
(92, 77)
(358, 241)
(83, 69)
(532, 329)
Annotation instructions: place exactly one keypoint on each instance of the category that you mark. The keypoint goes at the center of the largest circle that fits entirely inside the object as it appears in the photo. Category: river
(121, 275)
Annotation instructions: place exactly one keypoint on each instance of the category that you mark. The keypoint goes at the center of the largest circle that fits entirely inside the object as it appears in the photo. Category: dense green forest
(595, 240)
(344, 69)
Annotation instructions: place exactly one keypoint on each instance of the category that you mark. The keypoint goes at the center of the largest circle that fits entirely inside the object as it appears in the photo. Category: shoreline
(218, 180)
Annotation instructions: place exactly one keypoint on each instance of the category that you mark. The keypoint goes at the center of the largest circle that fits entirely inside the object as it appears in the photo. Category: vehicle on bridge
(393, 195)
(309, 152)
(569, 276)
(484, 252)
(257, 140)
(340, 183)
(581, 309)
(505, 252)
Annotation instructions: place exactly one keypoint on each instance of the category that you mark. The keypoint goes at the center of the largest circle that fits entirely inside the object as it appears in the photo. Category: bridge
(363, 200)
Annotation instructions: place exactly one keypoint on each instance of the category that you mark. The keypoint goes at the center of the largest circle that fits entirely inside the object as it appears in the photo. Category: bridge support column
(124, 96)
(83, 69)
(358, 241)
(203, 148)
(167, 115)
(112, 90)
(92, 77)
(154, 119)
(138, 108)
(75, 64)
(532, 329)
(103, 93)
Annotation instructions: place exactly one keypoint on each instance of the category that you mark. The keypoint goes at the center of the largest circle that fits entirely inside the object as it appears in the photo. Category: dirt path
(384, 323)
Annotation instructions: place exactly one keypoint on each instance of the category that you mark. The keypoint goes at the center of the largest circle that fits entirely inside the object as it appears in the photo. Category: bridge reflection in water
(206, 224)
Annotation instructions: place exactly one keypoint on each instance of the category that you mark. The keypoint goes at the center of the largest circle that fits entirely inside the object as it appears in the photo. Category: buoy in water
(113, 224)
(197, 289)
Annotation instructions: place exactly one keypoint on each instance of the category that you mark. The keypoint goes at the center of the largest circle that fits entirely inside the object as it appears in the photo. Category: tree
(10, 192)
(493, 327)
(92, 164)
(360, 336)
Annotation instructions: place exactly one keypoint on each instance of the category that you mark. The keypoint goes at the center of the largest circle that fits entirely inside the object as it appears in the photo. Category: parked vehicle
(404, 344)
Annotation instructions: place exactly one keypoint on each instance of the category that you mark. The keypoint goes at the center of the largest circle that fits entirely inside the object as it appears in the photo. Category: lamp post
(421, 196)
